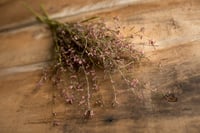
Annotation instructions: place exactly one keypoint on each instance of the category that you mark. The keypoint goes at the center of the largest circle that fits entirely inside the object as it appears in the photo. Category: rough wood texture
(168, 23)
(173, 67)
(64, 8)
(24, 109)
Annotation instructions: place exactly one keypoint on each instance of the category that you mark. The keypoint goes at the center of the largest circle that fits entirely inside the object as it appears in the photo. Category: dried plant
(82, 49)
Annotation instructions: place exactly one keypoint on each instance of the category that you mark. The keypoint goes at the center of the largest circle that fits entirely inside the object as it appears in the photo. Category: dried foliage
(82, 49)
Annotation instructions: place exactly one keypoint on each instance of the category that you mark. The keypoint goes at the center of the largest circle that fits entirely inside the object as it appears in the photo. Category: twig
(114, 91)
(88, 89)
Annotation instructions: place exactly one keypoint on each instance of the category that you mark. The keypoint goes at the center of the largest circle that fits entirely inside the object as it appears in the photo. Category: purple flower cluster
(83, 48)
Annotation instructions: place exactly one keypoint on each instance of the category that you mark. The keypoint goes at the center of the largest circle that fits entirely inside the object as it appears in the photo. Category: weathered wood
(59, 9)
(174, 67)
(24, 109)
(165, 23)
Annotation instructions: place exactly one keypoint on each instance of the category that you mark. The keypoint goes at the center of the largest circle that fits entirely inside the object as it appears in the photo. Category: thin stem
(38, 17)
(126, 80)
(91, 18)
(88, 89)
(114, 90)
(126, 65)
(43, 10)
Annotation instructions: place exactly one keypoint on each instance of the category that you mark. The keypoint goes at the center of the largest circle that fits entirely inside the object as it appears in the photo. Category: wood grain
(173, 67)
(16, 14)
(24, 109)
(167, 23)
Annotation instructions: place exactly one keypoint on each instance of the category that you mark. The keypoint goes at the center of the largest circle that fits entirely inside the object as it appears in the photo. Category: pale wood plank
(23, 109)
(168, 24)
(15, 13)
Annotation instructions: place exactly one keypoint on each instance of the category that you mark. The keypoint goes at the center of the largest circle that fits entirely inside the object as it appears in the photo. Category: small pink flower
(134, 83)
(54, 114)
(73, 76)
(81, 102)
(80, 62)
(69, 100)
(89, 114)
(55, 123)
(71, 87)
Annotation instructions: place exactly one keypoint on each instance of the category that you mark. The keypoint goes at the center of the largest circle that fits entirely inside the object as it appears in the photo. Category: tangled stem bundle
(82, 48)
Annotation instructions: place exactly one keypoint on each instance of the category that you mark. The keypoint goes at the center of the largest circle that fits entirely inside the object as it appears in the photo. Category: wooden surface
(20, 17)
(173, 67)
(168, 23)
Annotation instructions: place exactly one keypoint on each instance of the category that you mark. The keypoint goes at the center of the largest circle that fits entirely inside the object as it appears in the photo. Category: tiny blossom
(69, 100)
(71, 87)
(112, 81)
(89, 114)
(80, 62)
(75, 37)
(73, 76)
(79, 86)
(63, 32)
(81, 102)
(80, 90)
(115, 103)
(56, 123)
(54, 114)
(94, 85)
(94, 78)
(134, 83)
